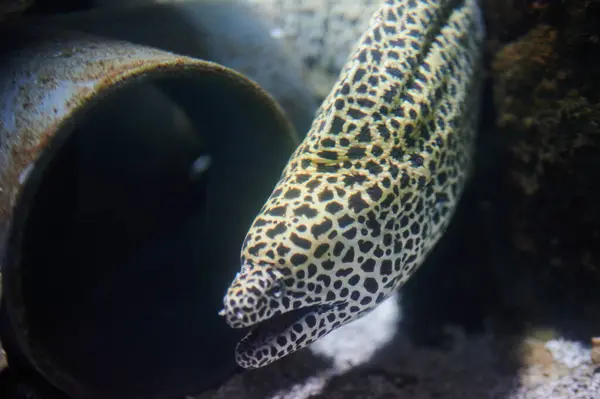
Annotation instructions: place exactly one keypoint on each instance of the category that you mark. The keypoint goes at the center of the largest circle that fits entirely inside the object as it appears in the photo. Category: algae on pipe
(229, 32)
(373, 186)
(318, 33)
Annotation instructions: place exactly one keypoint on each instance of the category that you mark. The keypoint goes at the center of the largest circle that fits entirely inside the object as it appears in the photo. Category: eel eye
(277, 290)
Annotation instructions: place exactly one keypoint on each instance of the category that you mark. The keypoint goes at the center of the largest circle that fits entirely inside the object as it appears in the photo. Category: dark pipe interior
(125, 259)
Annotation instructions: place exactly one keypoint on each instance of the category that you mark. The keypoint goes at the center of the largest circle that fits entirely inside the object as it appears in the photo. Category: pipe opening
(132, 234)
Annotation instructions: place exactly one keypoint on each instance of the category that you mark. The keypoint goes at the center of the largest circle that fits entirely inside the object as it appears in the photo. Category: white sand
(372, 359)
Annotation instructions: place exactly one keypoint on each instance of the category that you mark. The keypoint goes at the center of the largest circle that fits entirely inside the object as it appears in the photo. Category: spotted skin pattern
(372, 187)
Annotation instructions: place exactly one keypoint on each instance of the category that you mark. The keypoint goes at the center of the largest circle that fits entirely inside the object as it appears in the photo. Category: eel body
(373, 186)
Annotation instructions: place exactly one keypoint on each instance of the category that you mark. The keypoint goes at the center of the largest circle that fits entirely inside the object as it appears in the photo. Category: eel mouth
(289, 325)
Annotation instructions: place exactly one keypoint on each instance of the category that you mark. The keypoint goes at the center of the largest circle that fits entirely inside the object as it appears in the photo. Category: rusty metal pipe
(232, 33)
(113, 258)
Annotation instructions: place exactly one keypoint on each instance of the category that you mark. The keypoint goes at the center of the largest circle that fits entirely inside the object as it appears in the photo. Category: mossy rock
(547, 101)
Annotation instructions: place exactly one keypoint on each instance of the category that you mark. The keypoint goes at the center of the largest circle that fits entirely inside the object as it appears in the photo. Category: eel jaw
(281, 335)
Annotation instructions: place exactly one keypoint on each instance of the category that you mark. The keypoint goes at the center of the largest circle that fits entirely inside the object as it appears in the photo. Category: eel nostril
(277, 290)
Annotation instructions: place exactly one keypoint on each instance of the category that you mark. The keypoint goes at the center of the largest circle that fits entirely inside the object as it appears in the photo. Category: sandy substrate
(372, 359)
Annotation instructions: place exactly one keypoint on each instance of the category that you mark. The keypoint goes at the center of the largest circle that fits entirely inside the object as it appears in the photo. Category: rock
(548, 124)
(596, 350)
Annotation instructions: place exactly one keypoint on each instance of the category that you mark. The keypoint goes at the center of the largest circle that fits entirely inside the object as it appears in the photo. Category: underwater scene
(293, 199)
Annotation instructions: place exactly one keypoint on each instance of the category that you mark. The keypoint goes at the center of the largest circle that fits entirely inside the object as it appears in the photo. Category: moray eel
(373, 186)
